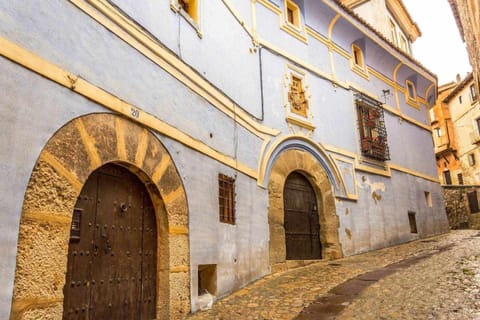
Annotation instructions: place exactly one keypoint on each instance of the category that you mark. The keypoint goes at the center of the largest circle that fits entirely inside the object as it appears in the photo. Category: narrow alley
(435, 278)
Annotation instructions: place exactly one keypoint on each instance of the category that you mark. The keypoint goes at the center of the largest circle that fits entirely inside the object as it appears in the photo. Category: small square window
(226, 198)
(471, 159)
(428, 199)
(473, 93)
(460, 178)
(412, 221)
(292, 13)
(447, 178)
(438, 132)
(411, 92)
(357, 55)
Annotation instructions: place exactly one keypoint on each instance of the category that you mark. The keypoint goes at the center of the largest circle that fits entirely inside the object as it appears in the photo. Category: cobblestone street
(435, 278)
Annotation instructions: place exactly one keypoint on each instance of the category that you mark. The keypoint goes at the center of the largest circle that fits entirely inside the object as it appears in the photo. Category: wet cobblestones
(443, 286)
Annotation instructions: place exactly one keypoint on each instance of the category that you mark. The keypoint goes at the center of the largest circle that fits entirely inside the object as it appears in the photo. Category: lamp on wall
(386, 93)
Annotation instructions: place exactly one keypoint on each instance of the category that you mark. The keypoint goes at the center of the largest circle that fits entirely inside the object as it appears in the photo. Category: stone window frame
(410, 91)
(294, 24)
(292, 15)
(357, 61)
(473, 93)
(471, 159)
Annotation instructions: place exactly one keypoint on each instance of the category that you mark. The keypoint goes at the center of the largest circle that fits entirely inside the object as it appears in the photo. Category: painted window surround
(84, 88)
(336, 48)
(357, 62)
(296, 27)
(193, 14)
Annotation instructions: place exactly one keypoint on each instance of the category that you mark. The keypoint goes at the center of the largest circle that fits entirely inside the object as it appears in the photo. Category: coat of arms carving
(296, 97)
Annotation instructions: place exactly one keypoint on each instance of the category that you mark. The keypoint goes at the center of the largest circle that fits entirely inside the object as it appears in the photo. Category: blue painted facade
(247, 58)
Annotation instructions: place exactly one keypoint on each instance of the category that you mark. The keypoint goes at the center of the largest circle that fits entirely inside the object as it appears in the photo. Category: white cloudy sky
(440, 47)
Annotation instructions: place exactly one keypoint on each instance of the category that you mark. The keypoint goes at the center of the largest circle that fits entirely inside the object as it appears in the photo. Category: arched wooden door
(111, 272)
(302, 228)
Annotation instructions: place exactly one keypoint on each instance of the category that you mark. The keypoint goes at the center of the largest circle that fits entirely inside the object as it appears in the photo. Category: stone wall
(458, 210)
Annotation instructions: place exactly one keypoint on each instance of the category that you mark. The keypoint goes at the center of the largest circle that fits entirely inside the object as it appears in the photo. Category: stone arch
(300, 160)
(69, 157)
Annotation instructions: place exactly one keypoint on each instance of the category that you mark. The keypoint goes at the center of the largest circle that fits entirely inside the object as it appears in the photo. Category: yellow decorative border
(411, 101)
(361, 70)
(193, 21)
(300, 123)
(298, 33)
(127, 30)
(349, 160)
(291, 70)
(82, 87)
(386, 173)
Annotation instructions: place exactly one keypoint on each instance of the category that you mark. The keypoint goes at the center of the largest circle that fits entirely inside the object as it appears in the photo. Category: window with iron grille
(373, 134)
(226, 198)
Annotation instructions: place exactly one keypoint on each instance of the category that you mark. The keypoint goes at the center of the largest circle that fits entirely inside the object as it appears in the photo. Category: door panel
(302, 229)
(116, 268)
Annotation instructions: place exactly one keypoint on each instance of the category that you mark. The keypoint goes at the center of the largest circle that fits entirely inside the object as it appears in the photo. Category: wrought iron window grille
(226, 198)
(373, 133)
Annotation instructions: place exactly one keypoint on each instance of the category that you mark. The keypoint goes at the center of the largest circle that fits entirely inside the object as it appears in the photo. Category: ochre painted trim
(296, 32)
(314, 34)
(386, 173)
(381, 77)
(238, 17)
(120, 133)
(142, 148)
(20, 306)
(100, 96)
(267, 155)
(179, 269)
(301, 63)
(301, 123)
(414, 173)
(131, 33)
(360, 71)
(175, 194)
(331, 25)
(60, 169)
(395, 88)
(127, 29)
(89, 144)
(389, 166)
(267, 4)
(177, 230)
(427, 91)
(161, 168)
(46, 216)
(383, 45)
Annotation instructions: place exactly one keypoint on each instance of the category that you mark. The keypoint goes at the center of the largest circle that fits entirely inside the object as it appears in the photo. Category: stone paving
(445, 285)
